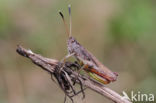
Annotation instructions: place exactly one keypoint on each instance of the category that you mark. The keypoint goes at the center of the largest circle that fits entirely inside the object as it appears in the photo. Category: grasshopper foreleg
(66, 57)
(64, 60)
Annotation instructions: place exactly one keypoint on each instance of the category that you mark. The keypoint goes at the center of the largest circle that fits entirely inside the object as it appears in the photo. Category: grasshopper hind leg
(99, 79)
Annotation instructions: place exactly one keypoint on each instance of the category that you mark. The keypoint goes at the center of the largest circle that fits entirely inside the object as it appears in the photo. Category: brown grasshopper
(90, 63)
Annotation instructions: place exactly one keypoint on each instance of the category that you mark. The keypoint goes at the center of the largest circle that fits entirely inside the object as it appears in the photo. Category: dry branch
(50, 64)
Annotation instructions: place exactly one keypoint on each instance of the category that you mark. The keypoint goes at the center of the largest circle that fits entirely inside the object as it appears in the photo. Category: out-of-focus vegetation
(121, 34)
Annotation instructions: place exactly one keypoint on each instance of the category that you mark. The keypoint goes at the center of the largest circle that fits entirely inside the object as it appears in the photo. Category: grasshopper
(90, 63)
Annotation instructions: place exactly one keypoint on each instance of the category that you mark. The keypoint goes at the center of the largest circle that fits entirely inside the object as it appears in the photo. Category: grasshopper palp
(90, 63)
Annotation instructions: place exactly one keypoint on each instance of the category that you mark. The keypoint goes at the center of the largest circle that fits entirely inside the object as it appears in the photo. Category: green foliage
(152, 64)
(135, 20)
(4, 23)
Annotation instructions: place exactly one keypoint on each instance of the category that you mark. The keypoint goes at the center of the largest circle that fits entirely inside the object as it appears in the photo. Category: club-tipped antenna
(70, 20)
(66, 27)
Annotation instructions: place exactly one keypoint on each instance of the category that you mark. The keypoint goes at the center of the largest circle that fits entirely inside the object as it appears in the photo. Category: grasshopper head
(73, 45)
(71, 40)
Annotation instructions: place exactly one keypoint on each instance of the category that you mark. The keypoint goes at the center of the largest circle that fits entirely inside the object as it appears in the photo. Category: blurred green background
(120, 33)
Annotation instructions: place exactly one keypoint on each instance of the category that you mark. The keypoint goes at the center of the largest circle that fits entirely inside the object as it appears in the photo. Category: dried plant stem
(50, 64)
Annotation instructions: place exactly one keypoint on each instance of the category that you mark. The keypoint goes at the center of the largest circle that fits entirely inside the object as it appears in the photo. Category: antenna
(70, 20)
(66, 27)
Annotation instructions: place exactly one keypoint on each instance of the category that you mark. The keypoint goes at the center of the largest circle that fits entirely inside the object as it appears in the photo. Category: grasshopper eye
(72, 41)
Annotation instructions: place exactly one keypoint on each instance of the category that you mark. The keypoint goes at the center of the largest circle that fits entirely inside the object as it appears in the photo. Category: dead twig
(50, 65)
